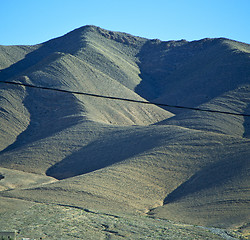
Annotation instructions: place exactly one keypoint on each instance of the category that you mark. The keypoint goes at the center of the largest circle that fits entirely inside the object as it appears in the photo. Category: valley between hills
(98, 168)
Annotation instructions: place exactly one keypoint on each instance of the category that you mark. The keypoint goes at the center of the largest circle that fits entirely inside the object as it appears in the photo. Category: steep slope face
(209, 73)
(235, 101)
(192, 73)
(14, 116)
(91, 145)
(83, 60)
(12, 54)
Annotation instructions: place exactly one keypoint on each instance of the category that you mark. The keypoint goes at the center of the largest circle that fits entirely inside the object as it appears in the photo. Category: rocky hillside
(122, 157)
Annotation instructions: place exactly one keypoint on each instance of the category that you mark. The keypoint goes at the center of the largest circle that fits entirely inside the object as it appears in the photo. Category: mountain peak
(84, 28)
(119, 156)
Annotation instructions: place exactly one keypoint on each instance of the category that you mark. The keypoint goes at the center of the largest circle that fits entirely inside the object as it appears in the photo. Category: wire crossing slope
(120, 157)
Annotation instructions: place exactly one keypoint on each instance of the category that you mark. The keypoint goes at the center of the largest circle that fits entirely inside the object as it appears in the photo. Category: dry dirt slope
(124, 157)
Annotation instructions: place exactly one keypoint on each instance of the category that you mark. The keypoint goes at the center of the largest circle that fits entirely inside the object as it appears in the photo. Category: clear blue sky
(36, 21)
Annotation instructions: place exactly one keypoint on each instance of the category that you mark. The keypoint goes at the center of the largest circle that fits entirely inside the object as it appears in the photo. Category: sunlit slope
(215, 196)
(235, 101)
(40, 128)
(73, 62)
(128, 157)
(12, 54)
(12, 179)
(137, 169)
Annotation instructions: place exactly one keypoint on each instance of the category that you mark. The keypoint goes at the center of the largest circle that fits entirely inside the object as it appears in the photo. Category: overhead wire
(124, 99)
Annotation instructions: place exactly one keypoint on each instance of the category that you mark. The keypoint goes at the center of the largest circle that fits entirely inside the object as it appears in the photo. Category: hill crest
(128, 157)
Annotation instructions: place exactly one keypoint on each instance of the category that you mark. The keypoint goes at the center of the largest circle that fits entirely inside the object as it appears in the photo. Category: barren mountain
(117, 157)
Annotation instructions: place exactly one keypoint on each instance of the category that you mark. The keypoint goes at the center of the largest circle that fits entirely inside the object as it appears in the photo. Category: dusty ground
(60, 222)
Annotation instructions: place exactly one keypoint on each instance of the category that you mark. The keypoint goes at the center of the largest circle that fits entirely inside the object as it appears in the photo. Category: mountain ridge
(128, 157)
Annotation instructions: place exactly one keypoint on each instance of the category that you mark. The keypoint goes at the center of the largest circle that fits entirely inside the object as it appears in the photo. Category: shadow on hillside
(113, 148)
(209, 177)
(157, 61)
(189, 73)
(50, 112)
(69, 43)
(247, 123)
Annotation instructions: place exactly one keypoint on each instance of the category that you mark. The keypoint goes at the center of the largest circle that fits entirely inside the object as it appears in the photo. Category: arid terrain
(99, 168)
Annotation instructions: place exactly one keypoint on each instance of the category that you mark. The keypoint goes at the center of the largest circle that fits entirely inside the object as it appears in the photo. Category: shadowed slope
(10, 55)
(217, 196)
(213, 176)
(14, 116)
(37, 53)
(191, 73)
(209, 74)
(115, 146)
(192, 160)
(52, 64)
(140, 182)
(237, 101)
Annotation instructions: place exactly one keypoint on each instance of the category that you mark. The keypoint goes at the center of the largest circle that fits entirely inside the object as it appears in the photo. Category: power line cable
(125, 99)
